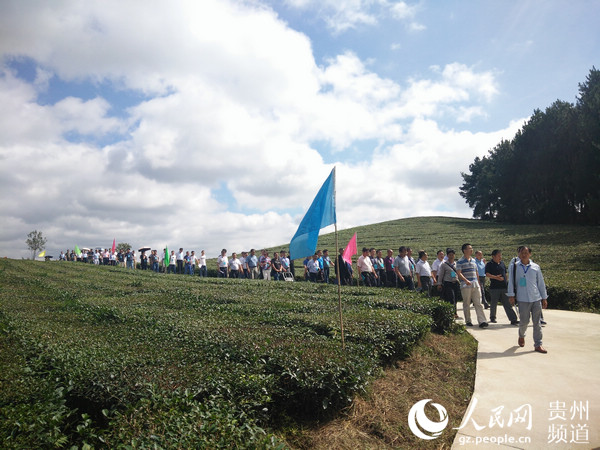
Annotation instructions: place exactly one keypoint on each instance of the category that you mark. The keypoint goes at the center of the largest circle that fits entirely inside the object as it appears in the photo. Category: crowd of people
(448, 276)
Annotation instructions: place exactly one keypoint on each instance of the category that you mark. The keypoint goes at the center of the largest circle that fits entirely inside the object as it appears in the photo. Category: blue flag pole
(320, 214)
(339, 284)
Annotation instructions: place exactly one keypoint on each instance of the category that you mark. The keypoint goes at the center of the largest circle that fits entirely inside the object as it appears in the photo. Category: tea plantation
(101, 356)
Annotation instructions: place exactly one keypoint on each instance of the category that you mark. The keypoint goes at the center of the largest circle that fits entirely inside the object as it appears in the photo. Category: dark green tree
(587, 163)
(549, 172)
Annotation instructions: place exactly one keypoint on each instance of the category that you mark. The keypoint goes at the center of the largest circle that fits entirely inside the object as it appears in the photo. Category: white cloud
(235, 102)
(42, 79)
(343, 15)
(85, 117)
(459, 75)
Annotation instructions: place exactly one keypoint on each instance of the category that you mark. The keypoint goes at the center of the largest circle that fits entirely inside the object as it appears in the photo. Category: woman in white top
(423, 271)
(222, 264)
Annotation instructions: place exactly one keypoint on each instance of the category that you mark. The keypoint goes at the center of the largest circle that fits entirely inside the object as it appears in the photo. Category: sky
(209, 124)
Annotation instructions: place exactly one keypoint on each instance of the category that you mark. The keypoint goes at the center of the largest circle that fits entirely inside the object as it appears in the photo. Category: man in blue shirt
(326, 265)
(466, 270)
(480, 261)
(530, 289)
(252, 262)
(320, 260)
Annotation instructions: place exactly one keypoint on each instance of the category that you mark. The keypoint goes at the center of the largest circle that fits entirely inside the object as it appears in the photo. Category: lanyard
(524, 269)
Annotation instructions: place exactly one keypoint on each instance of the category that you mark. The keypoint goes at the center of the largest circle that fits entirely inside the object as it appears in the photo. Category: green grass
(116, 357)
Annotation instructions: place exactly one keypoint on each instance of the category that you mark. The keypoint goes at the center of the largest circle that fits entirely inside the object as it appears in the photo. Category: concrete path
(527, 400)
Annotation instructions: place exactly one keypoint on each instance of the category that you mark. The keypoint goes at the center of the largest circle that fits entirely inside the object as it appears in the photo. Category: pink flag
(114, 245)
(350, 250)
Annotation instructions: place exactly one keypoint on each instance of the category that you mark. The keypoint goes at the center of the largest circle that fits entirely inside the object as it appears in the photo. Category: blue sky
(211, 124)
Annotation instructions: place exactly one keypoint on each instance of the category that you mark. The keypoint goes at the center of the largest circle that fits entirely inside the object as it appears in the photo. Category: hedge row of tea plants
(142, 359)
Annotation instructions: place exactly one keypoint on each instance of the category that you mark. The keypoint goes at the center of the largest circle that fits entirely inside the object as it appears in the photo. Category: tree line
(549, 172)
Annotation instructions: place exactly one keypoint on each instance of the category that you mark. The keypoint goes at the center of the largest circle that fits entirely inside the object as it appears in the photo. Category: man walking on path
(495, 270)
(530, 289)
(466, 269)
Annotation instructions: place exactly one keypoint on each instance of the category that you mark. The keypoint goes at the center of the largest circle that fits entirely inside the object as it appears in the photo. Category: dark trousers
(390, 278)
(180, 266)
(484, 301)
(451, 292)
(381, 277)
(499, 295)
(368, 278)
(408, 283)
(426, 285)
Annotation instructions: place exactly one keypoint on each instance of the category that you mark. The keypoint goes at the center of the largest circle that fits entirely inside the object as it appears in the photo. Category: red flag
(114, 245)
(350, 250)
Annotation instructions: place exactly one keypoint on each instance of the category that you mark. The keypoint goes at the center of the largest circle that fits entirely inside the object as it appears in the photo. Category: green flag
(167, 260)
(77, 251)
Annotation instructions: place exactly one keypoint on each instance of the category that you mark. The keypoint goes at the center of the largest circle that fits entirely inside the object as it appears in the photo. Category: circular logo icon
(417, 420)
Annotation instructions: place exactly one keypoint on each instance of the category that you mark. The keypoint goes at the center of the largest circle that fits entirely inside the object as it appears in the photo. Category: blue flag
(320, 214)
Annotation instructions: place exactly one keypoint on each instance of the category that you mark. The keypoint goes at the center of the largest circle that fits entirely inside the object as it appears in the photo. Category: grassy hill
(569, 255)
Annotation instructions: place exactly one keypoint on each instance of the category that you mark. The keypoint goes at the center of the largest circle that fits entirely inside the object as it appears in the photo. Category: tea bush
(117, 357)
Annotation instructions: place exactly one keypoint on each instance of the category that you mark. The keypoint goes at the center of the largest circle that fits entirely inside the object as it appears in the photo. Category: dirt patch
(441, 368)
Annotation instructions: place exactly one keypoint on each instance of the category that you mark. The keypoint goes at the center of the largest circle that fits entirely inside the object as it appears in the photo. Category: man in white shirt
(179, 257)
(193, 262)
(435, 265)
(244, 273)
(423, 271)
(235, 265)
(365, 267)
(313, 267)
(172, 263)
(202, 265)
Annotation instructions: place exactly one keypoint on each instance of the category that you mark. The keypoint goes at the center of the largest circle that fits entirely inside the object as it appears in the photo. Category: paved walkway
(559, 392)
